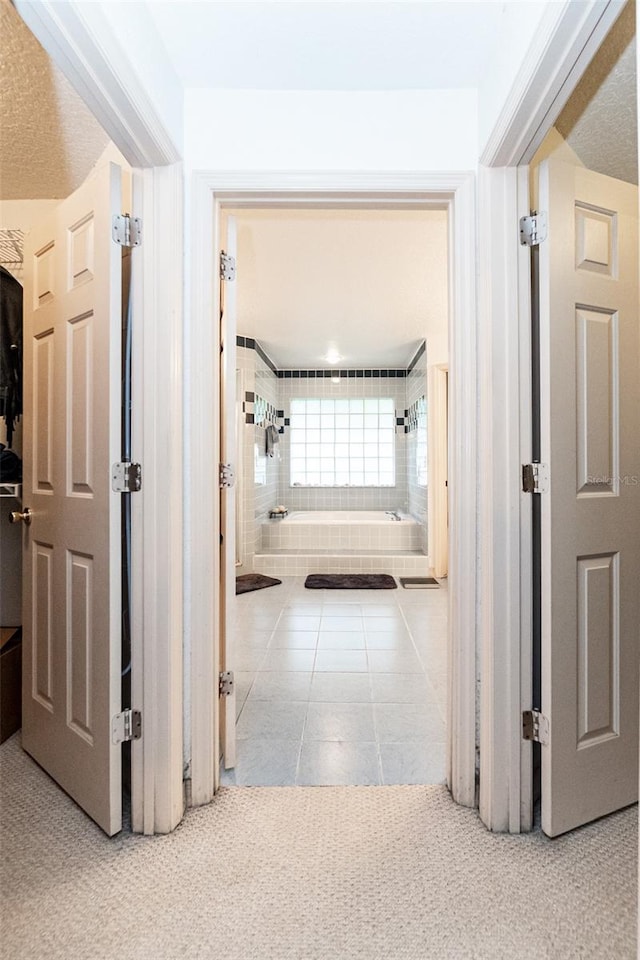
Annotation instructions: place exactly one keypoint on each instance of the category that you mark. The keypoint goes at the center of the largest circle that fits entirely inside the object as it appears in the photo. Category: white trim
(202, 518)
(462, 734)
(526, 525)
(564, 44)
(157, 662)
(504, 403)
(437, 491)
(79, 39)
(210, 189)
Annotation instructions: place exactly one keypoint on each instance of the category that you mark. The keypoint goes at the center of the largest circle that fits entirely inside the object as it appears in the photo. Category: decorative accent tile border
(416, 411)
(257, 410)
(343, 374)
(250, 343)
(249, 405)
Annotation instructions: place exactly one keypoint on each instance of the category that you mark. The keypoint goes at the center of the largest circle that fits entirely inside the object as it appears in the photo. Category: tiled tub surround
(340, 687)
(298, 561)
(342, 530)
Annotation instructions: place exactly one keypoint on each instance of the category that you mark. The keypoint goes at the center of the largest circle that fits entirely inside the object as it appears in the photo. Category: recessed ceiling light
(333, 356)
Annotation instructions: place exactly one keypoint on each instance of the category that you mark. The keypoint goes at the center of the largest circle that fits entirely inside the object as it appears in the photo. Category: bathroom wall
(291, 384)
(416, 440)
(267, 468)
(258, 477)
(245, 491)
(265, 481)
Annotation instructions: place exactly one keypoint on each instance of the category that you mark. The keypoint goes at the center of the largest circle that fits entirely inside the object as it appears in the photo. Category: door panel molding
(71, 552)
(589, 348)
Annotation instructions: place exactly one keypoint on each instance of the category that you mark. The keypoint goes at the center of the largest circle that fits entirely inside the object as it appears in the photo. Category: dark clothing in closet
(10, 350)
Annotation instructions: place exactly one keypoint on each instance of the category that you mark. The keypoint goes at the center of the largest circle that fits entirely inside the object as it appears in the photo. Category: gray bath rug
(419, 583)
(350, 581)
(247, 582)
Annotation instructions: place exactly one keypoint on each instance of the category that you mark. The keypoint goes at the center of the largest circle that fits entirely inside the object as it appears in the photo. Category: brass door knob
(16, 516)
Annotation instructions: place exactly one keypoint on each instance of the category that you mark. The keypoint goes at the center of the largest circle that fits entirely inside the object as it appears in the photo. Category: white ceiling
(371, 284)
(49, 139)
(329, 45)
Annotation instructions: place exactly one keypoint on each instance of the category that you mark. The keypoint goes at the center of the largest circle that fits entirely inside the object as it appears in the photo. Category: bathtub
(342, 516)
(341, 530)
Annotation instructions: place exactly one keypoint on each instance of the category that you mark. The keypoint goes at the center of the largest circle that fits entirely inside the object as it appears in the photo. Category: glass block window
(342, 443)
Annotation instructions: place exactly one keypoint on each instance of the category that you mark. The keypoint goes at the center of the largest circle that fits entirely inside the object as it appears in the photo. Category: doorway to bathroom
(214, 192)
(338, 320)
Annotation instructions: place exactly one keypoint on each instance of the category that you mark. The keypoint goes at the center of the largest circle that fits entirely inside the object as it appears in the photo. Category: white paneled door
(228, 455)
(590, 437)
(71, 555)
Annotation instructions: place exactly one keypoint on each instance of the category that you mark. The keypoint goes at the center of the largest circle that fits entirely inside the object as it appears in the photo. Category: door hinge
(533, 229)
(535, 477)
(227, 266)
(126, 726)
(126, 477)
(535, 726)
(227, 475)
(225, 683)
(127, 231)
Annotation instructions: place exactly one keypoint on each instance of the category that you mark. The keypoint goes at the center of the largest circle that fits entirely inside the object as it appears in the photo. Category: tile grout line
(329, 600)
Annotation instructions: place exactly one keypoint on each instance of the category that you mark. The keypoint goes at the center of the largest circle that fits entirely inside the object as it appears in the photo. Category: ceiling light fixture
(333, 356)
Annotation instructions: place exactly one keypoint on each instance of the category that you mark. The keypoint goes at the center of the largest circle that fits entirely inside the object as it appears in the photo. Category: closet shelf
(10, 490)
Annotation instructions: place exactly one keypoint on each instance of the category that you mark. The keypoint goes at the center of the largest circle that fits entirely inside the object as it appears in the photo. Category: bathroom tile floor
(339, 686)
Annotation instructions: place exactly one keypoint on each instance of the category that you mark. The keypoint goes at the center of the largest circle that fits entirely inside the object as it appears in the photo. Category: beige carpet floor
(308, 873)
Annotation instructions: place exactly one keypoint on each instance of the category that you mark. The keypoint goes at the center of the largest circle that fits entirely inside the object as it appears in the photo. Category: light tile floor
(340, 686)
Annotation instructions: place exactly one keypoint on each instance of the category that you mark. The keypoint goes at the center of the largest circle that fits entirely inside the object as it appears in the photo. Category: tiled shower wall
(264, 481)
(341, 498)
(416, 383)
(259, 478)
(268, 468)
(245, 489)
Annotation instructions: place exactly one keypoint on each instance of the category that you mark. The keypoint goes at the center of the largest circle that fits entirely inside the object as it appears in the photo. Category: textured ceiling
(600, 120)
(49, 141)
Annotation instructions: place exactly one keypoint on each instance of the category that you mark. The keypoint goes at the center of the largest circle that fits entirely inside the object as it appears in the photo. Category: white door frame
(565, 43)
(79, 41)
(211, 190)
(437, 455)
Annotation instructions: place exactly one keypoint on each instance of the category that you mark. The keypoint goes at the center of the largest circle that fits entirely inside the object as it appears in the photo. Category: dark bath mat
(247, 582)
(418, 583)
(350, 581)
